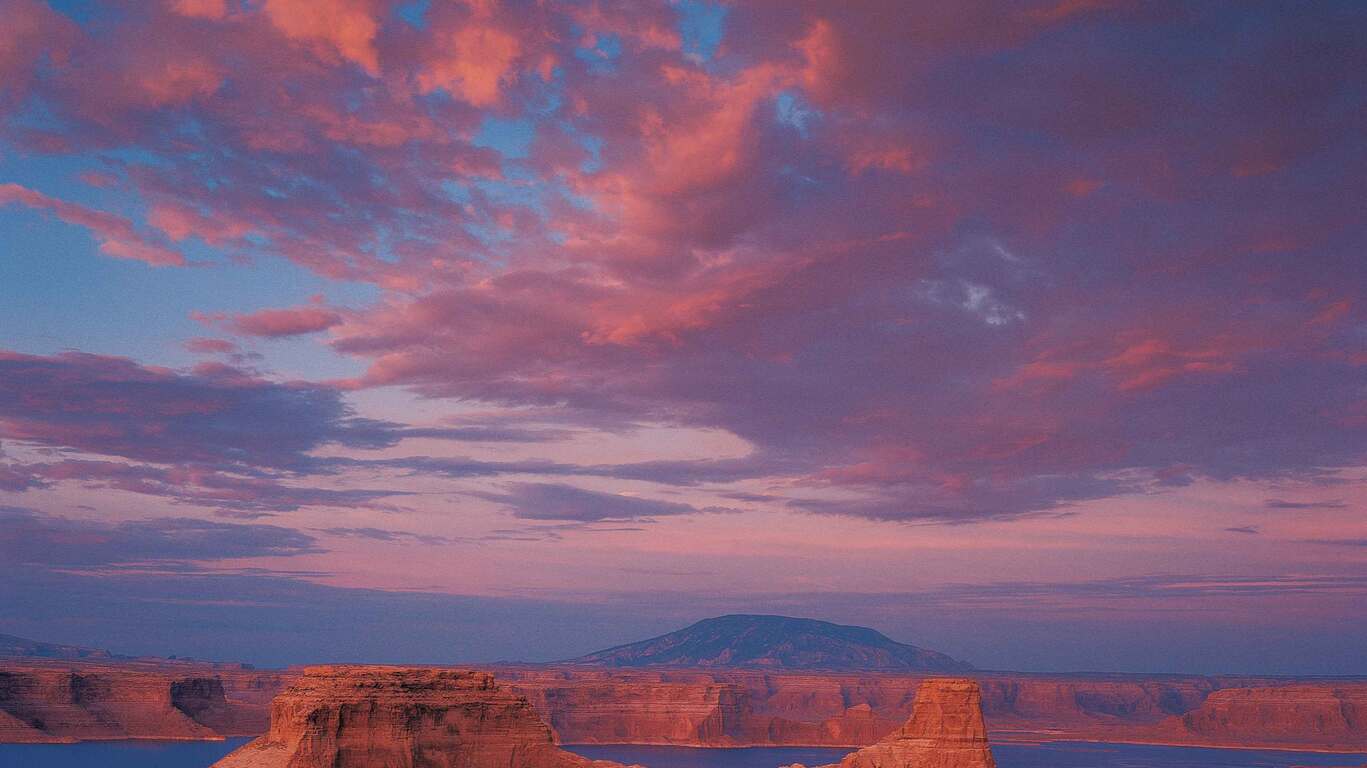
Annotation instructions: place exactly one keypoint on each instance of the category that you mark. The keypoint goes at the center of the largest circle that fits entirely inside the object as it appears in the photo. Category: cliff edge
(946, 730)
(400, 717)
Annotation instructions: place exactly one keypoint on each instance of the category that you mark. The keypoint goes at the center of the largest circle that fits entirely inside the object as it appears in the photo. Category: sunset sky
(1031, 332)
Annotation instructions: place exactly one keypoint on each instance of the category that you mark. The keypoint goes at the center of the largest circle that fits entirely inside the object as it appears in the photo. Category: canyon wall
(394, 717)
(1324, 716)
(945, 730)
(60, 702)
(64, 701)
(737, 708)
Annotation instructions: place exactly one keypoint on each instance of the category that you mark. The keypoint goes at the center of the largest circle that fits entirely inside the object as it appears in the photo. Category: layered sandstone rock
(1319, 716)
(396, 717)
(16, 731)
(53, 702)
(743, 707)
(945, 730)
(89, 704)
(47, 700)
(677, 708)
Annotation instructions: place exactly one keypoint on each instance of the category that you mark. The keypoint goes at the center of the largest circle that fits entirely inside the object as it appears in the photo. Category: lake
(117, 754)
(199, 754)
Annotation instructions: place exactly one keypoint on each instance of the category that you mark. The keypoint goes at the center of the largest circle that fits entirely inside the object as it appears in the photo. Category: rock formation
(59, 702)
(757, 708)
(1324, 716)
(775, 642)
(945, 730)
(396, 717)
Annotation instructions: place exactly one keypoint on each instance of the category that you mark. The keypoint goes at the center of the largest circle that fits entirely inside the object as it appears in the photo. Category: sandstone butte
(945, 730)
(403, 717)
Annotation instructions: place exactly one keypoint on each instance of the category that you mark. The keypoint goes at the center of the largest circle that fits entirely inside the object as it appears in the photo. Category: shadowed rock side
(1318, 716)
(945, 730)
(56, 703)
(397, 717)
(775, 642)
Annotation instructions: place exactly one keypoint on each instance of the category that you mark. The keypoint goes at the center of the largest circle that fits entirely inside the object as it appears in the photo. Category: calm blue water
(199, 754)
(117, 754)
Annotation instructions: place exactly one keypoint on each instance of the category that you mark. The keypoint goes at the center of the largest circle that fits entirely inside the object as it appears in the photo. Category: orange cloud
(200, 9)
(334, 28)
(478, 61)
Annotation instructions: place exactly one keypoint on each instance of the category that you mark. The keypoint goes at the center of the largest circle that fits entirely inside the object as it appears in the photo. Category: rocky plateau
(403, 717)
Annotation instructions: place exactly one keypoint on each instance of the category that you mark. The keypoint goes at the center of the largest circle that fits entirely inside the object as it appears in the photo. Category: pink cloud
(180, 222)
(116, 235)
(860, 234)
(32, 31)
(278, 323)
(476, 61)
(200, 9)
(210, 346)
(334, 28)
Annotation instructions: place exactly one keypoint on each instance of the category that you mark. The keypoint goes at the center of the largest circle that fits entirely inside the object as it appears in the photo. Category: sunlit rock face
(59, 703)
(945, 730)
(395, 717)
(1321, 716)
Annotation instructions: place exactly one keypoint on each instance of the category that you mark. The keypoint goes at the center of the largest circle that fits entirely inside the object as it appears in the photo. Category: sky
(474, 330)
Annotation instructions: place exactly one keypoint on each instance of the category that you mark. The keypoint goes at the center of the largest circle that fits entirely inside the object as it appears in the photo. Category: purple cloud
(29, 538)
(1021, 295)
(553, 501)
(214, 414)
(382, 534)
(1283, 504)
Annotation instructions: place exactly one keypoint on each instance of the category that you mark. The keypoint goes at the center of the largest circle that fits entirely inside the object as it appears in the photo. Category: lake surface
(117, 754)
(200, 754)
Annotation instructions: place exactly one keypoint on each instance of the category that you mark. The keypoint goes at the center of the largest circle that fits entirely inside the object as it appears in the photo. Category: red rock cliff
(60, 703)
(50, 700)
(397, 717)
(945, 730)
(745, 707)
(1319, 716)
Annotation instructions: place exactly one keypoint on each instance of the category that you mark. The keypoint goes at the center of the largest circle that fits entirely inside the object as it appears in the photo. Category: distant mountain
(19, 647)
(775, 642)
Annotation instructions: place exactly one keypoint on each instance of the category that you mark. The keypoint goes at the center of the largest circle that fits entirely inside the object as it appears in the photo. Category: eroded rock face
(55, 702)
(1322, 716)
(722, 708)
(945, 730)
(65, 705)
(403, 717)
